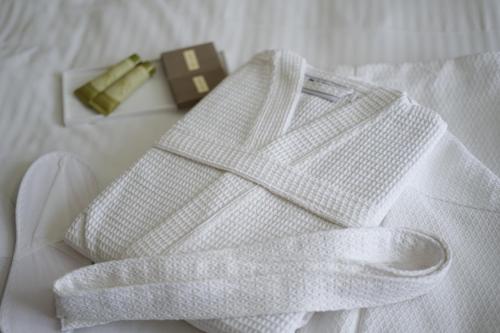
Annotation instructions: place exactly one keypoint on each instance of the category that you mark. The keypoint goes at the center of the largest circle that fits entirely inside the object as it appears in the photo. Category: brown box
(192, 72)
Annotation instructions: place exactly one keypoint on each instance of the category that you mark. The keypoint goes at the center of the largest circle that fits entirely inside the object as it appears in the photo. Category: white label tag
(325, 89)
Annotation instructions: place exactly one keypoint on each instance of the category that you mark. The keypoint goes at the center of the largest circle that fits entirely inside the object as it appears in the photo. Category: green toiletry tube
(110, 98)
(92, 88)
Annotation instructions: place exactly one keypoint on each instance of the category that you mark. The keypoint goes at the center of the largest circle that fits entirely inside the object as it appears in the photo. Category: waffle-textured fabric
(453, 194)
(279, 154)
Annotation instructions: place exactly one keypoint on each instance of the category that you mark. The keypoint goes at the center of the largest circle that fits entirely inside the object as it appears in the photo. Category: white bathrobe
(237, 212)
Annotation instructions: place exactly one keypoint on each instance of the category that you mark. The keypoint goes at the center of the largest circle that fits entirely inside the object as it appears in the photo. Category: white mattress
(40, 39)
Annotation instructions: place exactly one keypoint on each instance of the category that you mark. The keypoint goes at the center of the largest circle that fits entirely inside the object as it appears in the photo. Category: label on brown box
(191, 60)
(200, 84)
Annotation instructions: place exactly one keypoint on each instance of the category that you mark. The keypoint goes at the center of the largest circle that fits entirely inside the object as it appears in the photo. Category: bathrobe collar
(290, 72)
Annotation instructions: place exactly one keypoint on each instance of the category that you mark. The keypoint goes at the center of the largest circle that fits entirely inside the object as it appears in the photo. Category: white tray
(153, 96)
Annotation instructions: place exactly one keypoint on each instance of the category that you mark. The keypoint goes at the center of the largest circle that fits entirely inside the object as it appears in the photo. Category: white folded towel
(228, 215)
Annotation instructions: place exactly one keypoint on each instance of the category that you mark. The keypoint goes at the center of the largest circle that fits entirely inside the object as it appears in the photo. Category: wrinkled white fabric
(257, 161)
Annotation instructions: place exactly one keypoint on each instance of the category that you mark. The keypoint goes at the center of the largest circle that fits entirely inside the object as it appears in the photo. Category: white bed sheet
(41, 39)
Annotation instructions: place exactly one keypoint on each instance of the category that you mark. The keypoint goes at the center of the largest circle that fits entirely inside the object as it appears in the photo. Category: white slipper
(6, 239)
(54, 190)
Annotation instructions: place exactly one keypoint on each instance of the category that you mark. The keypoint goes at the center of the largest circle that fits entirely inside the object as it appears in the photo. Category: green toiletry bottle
(92, 88)
(109, 99)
